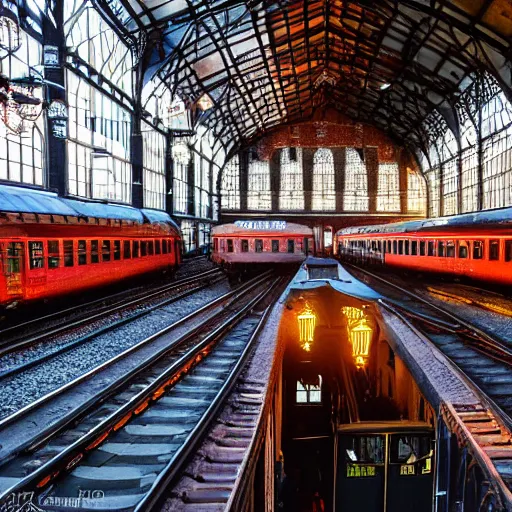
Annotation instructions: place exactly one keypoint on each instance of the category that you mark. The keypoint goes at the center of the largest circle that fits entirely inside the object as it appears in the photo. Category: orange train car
(245, 244)
(50, 246)
(476, 245)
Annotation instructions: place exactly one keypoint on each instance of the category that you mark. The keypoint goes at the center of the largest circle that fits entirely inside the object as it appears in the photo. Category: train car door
(35, 281)
(177, 251)
(13, 270)
(386, 470)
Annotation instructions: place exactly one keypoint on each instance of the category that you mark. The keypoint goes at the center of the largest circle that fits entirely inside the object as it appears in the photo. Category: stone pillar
(339, 155)
(191, 203)
(137, 156)
(57, 164)
(372, 169)
(403, 163)
(275, 178)
(169, 175)
(307, 176)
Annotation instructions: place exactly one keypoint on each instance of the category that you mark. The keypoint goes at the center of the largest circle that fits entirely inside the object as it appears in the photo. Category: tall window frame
(324, 191)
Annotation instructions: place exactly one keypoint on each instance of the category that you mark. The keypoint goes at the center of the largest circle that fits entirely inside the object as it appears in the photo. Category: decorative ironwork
(10, 40)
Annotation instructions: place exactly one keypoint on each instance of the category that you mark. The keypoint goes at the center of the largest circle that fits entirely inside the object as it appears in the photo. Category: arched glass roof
(265, 63)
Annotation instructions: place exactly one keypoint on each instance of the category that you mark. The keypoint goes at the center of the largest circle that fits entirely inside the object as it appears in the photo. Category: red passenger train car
(477, 245)
(63, 246)
(245, 244)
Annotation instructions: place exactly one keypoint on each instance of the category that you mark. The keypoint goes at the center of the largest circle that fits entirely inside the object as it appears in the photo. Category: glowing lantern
(352, 314)
(361, 337)
(307, 321)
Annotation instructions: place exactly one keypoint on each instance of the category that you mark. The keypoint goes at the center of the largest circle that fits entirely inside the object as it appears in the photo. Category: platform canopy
(262, 64)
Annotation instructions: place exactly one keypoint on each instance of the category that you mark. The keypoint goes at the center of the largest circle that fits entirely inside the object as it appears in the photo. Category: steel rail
(12, 345)
(498, 413)
(71, 456)
(159, 489)
(472, 330)
(16, 416)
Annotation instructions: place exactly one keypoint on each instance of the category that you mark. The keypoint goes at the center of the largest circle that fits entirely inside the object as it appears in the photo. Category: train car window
(494, 250)
(291, 246)
(258, 245)
(164, 246)
(369, 449)
(143, 248)
(127, 250)
(431, 248)
(463, 249)
(157, 247)
(245, 245)
(407, 244)
(36, 254)
(14, 254)
(68, 253)
(222, 245)
(478, 250)
(450, 249)
(53, 254)
(95, 257)
(389, 246)
(230, 245)
(275, 245)
(379, 245)
(151, 248)
(409, 448)
(395, 247)
(136, 246)
(105, 250)
(117, 249)
(169, 245)
(215, 245)
(82, 252)
(440, 249)
(508, 250)
(414, 247)
(422, 247)
(400, 246)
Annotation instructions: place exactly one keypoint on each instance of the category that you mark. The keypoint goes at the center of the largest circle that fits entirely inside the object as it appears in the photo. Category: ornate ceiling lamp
(307, 322)
(360, 338)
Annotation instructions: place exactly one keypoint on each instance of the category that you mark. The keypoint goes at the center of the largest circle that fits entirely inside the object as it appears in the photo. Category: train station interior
(256, 255)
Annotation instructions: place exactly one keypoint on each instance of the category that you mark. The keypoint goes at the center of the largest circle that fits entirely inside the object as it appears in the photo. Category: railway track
(120, 450)
(38, 330)
(484, 363)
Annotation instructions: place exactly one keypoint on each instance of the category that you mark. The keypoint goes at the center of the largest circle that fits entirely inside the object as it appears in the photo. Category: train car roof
(24, 200)
(261, 227)
(500, 218)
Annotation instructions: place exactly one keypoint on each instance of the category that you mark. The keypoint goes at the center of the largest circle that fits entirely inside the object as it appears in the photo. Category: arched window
(388, 190)
(324, 193)
(291, 190)
(469, 158)
(355, 197)
(21, 155)
(259, 195)
(230, 186)
(416, 193)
